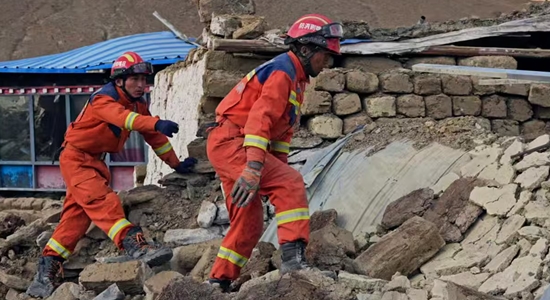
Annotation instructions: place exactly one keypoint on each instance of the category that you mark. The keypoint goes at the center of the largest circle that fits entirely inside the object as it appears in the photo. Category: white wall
(176, 97)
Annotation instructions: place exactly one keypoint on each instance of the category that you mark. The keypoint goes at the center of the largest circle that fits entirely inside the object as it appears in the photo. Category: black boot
(46, 279)
(294, 258)
(223, 284)
(137, 247)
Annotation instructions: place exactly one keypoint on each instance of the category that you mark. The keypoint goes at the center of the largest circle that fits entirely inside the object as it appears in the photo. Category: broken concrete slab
(509, 230)
(535, 159)
(361, 283)
(480, 162)
(496, 201)
(207, 214)
(533, 233)
(450, 291)
(537, 212)
(422, 240)
(515, 148)
(111, 293)
(539, 141)
(524, 198)
(502, 260)
(533, 177)
(467, 279)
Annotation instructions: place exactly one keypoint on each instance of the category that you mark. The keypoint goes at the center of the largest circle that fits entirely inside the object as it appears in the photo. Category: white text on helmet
(309, 26)
(120, 64)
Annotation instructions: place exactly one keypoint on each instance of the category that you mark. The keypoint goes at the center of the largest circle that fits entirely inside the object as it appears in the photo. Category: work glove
(168, 128)
(186, 165)
(247, 185)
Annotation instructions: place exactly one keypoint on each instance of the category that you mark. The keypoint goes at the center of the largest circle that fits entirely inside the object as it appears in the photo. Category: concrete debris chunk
(111, 293)
(129, 276)
(154, 286)
(534, 159)
(207, 214)
(495, 201)
(182, 237)
(533, 177)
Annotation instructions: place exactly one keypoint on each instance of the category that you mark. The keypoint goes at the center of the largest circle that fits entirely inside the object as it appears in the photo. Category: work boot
(137, 247)
(293, 259)
(46, 280)
(223, 284)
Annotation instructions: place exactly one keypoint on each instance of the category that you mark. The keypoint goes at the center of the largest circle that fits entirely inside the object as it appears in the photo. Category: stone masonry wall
(367, 88)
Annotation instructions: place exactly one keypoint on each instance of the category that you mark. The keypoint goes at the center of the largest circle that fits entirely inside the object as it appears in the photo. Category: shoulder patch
(281, 62)
(108, 90)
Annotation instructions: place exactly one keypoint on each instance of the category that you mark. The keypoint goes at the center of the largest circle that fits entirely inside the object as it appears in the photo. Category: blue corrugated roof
(157, 47)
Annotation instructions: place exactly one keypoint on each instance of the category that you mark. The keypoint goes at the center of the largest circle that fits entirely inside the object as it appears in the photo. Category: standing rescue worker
(104, 125)
(249, 148)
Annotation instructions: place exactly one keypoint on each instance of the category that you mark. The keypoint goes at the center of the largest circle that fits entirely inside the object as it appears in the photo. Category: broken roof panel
(534, 24)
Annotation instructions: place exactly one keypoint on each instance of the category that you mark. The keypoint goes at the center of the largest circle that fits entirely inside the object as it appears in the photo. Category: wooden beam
(244, 46)
(474, 51)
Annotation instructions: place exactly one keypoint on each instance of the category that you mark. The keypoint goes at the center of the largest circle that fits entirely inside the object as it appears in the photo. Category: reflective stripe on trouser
(89, 199)
(281, 183)
(58, 248)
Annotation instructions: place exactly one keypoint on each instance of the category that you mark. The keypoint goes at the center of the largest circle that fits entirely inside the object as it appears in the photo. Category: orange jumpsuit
(103, 126)
(260, 111)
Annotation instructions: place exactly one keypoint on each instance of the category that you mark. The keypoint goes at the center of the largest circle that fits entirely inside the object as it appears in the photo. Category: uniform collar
(300, 73)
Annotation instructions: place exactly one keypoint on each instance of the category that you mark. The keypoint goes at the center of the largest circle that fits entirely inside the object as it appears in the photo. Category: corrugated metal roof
(156, 47)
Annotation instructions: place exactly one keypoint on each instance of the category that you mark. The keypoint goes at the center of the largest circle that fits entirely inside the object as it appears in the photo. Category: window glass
(49, 125)
(15, 142)
(77, 102)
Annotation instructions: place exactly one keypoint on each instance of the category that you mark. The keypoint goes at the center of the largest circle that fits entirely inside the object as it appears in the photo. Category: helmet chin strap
(133, 99)
(306, 60)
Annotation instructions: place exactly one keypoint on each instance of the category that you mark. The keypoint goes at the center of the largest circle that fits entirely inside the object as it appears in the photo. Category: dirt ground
(31, 28)
(460, 133)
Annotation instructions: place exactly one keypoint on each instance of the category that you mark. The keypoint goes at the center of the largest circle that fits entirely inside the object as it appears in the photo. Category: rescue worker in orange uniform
(104, 125)
(248, 147)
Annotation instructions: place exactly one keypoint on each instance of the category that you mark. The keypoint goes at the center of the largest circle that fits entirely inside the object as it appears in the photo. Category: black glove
(168, 128)
(185, 166)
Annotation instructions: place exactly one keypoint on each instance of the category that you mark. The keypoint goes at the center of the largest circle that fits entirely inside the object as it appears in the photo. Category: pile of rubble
(482, 233)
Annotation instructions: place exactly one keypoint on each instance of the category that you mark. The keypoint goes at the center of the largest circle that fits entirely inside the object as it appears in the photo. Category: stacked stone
(368, 88)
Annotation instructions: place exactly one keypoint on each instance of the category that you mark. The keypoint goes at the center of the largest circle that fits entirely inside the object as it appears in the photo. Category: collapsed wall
(176, 97)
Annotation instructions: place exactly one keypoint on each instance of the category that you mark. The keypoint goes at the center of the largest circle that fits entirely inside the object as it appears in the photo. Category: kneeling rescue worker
(249, 146)
(104, 125)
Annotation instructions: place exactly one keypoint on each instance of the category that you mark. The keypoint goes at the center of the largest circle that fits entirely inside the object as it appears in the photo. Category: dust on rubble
(460, 133)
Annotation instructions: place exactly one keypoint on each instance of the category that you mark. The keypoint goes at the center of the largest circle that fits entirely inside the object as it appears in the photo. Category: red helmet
(130, 63)
(318, 30)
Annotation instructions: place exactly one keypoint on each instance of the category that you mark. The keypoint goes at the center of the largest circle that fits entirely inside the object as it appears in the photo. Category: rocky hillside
(31, 28)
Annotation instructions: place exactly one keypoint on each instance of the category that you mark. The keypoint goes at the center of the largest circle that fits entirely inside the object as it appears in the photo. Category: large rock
(224, 25)
(411, 106)
(396, 82)
(413, 204)
(208, 7)
(452, 213)
(218, 83)
(321, 219)
(505, 127)
(383, 106)
(539, 94)
(66, 291)
(129, 276)
(439, 106)
(353, 121)
(155, 285)
(301, 285)
(251, 27)
(331, 80)
(330, 247)
(519, 109)
(374, 64)
(466, 105)
(186, 257)
(403, 250)
(532, 129)
(316, 102)
(207, 214)
(494, 106)
(141, 195)
(258, 264)
(189, 289)
(427, 84)
(326, 126)
(497, 61)
(456, 85)
(361, 82)
(345, 104)
(438, 60)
